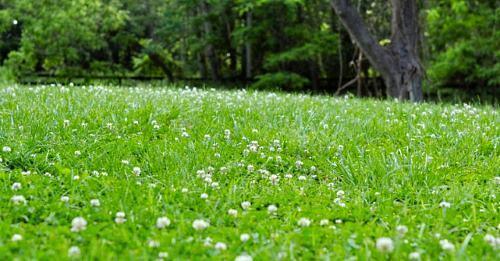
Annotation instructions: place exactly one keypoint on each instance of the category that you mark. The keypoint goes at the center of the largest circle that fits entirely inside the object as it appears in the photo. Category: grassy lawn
(147, 173)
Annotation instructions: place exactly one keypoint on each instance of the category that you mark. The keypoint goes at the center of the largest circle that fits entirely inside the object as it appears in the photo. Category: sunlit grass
(340, 173)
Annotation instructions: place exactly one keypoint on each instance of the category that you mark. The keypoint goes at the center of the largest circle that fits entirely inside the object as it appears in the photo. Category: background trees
(463, 39)
(287, 44)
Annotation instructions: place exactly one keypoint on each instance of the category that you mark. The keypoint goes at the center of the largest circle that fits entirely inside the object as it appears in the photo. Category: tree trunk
(209, 48)
(233, 58)
(399, 63)
(201, 65)
(228, 19)
(248, 48)
(158, 61)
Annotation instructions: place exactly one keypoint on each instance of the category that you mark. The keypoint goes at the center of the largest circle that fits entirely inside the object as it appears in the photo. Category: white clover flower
(414, 256)
(204, 196)
(6, 149)
(402, 230)
(288, 176)
(385, 245)
(337, 201)
(232, 212)
(120, 218)
(16, 186)
(18, 200)
(272, 209)
(299, 164)
(243, 257)
(153, 243)
(201, 173)
(64, 199)
(302, 177)
(77, 153)
(185, 134)
(254, 146)
(78, 224)
(162, 222)
(26, 173)
(447, 245)
(245, 205)
(200, 224)
(250, 168)
(95, 202)
(16, 238)
(184, 190)
(207, 137)
(220, 246)
(340, 194)
(244, 237)
(304, 222)
(76, 177)
(137, 171)
(162, 255)
(125, 162)
(489, 239)
(74, 251)
(492, 241)
(274, 179)
(207, 242)
(324, 222)
(445, 204)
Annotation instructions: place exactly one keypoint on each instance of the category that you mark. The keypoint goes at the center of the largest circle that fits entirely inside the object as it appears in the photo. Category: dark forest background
(263, 44)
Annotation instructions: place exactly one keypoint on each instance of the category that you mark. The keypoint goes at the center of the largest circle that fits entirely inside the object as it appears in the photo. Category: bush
(280, 80)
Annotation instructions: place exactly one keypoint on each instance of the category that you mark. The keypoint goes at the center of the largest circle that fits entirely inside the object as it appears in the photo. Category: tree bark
(398, 63)
(248, 48)
(209, 48)
(158, 61)
(233, 58)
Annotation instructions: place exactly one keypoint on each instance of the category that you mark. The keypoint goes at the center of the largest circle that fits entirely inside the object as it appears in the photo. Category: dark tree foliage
(285, 44)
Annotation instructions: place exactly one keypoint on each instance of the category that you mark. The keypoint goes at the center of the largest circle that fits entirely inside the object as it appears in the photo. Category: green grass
(395, 162)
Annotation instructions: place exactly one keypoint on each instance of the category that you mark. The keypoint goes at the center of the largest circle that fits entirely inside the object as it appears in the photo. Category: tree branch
(353, 22)
(349, 83)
